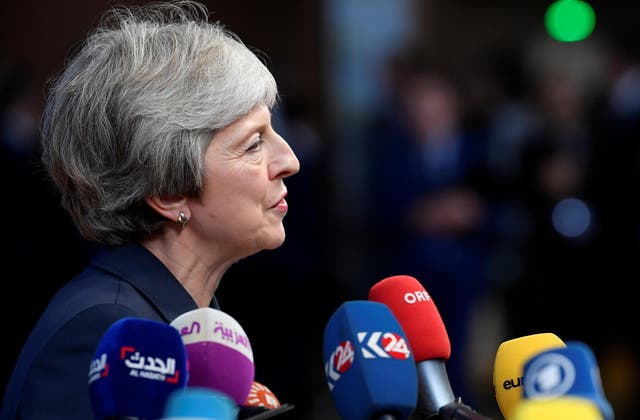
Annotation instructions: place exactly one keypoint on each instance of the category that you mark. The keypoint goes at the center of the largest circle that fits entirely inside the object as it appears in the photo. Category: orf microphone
(137, 364)
(415, 310)
(219, 353)
(369, 366)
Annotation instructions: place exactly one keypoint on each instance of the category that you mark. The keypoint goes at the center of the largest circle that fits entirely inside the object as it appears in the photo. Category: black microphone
(415, 310)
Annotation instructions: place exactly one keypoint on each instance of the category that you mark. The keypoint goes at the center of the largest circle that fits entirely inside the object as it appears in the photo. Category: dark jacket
(49, 380)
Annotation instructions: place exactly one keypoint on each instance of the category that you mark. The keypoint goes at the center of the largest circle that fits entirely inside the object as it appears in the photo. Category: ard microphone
(415, 310)
(508, 367)
(570, 371)
(137, 364)
(369, 366)
(195, 403)
(219, 353)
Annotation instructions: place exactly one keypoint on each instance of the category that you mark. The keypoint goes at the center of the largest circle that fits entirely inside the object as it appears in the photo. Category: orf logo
(339, 362)
(417, 296)
(550, 375)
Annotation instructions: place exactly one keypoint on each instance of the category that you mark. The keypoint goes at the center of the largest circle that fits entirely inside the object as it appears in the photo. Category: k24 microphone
(508, 367)
(369, 366)
(136, 366)
(414, 308)
(218, 350)
(570, 371)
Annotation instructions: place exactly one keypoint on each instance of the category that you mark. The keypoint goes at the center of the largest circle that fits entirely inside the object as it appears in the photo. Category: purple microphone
(218, 352)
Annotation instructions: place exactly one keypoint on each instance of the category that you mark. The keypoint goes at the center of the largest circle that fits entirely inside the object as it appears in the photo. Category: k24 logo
(385, 345)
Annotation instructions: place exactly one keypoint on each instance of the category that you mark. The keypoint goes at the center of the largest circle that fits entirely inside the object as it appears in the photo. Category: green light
(569, 20)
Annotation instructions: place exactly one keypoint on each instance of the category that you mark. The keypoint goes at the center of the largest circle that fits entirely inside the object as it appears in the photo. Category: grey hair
(133, 112)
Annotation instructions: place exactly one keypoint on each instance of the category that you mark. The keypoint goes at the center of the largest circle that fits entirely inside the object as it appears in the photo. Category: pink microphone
(219, 354)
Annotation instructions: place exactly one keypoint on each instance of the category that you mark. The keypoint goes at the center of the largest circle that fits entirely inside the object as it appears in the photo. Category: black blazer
(49, 380)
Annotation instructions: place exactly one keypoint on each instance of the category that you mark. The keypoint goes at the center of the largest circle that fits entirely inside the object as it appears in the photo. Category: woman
(158, 136)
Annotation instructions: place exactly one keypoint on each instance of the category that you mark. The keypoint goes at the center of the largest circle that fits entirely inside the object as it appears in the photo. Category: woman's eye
(255, 145)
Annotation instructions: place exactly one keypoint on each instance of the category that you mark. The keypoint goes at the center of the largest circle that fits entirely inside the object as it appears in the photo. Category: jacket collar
(137, 266)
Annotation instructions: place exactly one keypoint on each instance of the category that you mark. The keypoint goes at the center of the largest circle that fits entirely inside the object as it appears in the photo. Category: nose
(285, 162)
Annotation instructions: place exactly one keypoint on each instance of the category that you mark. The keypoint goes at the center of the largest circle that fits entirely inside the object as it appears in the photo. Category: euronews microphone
(570, 371)
(137, 364)
(218, 350)
(369, 366)
(415, 310)
(508, 367)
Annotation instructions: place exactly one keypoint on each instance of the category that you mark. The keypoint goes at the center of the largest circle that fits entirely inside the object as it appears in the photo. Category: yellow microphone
(508, 367)
(560, 408)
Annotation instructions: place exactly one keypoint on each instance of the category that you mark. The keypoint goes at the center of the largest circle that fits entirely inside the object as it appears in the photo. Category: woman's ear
(170, 207)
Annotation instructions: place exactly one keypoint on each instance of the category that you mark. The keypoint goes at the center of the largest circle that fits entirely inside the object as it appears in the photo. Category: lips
(281, 204)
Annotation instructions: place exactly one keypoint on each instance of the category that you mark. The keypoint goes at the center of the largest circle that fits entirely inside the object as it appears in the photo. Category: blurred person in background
(553, 189)
(158, 136)
(430, 217)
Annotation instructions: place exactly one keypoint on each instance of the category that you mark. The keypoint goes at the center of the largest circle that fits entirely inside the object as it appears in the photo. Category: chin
(274, 244)
(275, 240)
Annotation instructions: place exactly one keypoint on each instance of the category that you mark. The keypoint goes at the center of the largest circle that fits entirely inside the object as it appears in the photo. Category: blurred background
(462, 142)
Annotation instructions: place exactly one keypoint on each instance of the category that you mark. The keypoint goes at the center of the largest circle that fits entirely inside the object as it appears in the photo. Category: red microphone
(418, 316)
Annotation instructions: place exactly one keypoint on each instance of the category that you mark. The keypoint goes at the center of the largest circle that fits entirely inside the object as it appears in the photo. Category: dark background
(283, 298)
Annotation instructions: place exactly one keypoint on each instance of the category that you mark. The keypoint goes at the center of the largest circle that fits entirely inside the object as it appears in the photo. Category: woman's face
(243, 202)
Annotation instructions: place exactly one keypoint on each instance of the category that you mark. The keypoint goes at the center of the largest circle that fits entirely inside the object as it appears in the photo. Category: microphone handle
(384, 416)
(434, 389)
(459, 411)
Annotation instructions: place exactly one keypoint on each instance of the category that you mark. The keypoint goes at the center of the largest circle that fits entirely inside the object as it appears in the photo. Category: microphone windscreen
(137, 364)
(219, 353)
(564, 408)
(571, 371)
(414, 308)
(369, 366)
(261, 396)
(508, 367)
(201, 404)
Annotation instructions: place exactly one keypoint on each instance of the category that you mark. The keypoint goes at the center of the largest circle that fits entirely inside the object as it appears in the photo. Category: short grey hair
(133, 112)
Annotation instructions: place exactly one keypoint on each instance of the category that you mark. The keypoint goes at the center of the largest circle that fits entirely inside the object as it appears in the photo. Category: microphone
(369, 366)
(508, 367)
(415, 310)
(196, 403)
(561, 408)
(218, 350)
(262, 403)
(261, 396)
(571, 371)
(137, 364)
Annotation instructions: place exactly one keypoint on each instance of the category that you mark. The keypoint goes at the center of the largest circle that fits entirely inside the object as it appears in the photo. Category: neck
(199, 274)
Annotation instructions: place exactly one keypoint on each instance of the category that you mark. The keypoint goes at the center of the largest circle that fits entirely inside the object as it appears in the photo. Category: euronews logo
(512, 383)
